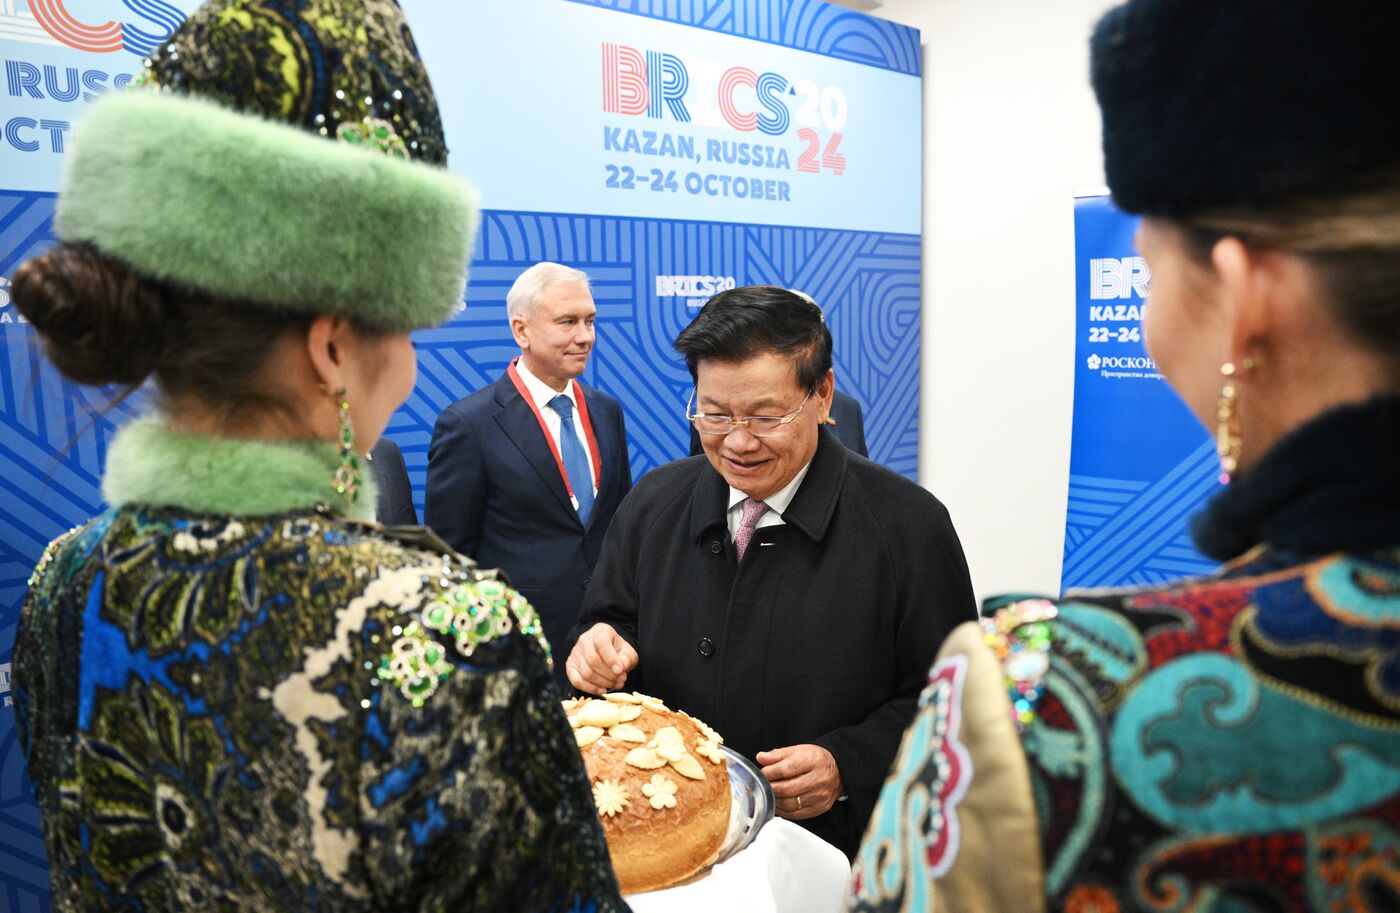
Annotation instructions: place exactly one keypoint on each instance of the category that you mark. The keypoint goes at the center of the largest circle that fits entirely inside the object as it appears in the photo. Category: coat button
(585, 582)
(707, 646)
(716, 547)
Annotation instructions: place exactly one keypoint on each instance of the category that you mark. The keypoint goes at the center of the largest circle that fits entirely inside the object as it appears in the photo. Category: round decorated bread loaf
(661, 785)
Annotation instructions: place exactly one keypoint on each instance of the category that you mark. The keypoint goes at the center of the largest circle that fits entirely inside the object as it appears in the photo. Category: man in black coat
(781, 588)
(525, 475)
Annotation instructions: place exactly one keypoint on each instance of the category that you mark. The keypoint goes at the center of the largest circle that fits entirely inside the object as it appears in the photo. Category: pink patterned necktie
(752, 511)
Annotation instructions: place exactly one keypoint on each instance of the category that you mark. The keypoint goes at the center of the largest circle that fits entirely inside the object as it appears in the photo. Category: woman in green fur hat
(233, 693)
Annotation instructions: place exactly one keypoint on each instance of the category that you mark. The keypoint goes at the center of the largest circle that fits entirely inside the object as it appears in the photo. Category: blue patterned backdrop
(868, 284)
(819, 27)
(53, 434)
(1131, 532)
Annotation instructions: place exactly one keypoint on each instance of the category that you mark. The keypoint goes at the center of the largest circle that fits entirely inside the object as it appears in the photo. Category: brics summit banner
(675, 149)
(670, 148)
(1140, 464)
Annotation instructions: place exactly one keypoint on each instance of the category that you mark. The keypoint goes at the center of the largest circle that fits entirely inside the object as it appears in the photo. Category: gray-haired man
(525, 474)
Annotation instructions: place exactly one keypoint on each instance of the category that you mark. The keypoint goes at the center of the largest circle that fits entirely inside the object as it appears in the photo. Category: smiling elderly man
(525, 474)
(783, 589)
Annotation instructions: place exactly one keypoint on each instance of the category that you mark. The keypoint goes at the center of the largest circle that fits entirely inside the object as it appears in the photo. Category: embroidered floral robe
(295, 712)
(1221, 745)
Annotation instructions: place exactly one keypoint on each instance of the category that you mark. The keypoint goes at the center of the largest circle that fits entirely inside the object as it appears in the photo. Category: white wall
(1011, 133)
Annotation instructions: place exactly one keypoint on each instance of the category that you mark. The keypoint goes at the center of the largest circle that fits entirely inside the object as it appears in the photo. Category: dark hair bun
(100, 323)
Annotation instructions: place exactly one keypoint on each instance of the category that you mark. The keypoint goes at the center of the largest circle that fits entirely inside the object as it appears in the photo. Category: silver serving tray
(752, 807)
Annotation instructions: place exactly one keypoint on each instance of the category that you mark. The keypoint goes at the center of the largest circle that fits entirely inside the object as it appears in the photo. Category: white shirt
(542, 393)
(777, 503)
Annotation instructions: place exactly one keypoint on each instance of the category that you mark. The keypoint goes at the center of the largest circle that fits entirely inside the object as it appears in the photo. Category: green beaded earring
(347, 474)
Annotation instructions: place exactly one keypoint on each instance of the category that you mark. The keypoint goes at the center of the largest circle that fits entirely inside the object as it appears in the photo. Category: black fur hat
(1211, 103)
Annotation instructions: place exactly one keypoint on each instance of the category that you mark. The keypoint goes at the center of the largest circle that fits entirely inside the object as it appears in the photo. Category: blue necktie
(575, 455)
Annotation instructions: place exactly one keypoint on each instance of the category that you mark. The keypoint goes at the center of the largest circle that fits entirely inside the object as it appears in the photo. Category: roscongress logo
(155, 21)
(1122, 362)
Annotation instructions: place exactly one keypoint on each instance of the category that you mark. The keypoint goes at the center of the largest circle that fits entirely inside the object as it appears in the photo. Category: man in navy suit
(525, 474)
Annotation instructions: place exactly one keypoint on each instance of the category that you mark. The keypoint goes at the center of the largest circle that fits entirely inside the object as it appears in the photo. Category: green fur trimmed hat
(284, 153)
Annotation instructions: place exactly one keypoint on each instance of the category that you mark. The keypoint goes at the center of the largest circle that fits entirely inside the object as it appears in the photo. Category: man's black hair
(740, 323)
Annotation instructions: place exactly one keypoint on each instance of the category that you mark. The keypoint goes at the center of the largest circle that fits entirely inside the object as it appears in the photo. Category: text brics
(715, 95)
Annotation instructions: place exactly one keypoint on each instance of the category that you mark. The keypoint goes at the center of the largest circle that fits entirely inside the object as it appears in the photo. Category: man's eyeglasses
(758, 425)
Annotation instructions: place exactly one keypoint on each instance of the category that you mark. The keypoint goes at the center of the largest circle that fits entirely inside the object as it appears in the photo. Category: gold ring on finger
(799, 803)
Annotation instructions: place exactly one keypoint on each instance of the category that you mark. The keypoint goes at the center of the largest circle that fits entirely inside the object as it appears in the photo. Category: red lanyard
(519, 382)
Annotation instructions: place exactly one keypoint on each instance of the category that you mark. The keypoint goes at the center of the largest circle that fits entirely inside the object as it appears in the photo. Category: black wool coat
(394, 506)
(824, 634)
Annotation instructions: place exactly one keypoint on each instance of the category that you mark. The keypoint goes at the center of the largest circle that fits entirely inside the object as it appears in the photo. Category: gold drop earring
(1228, 443)
(347, 474)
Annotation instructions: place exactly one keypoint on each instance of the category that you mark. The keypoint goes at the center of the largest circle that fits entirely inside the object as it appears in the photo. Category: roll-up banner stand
(1140, 462)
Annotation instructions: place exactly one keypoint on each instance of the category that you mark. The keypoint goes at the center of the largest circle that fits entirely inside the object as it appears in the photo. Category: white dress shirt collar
(540, 391)
(777, 502)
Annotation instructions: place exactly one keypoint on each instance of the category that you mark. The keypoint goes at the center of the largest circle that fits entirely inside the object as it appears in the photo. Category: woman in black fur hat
(1229, 743)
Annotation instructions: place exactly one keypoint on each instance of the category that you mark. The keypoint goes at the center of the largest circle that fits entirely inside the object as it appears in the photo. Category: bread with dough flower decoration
(661, 784)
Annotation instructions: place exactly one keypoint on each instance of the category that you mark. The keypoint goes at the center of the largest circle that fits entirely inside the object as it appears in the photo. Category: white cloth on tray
(785, 870)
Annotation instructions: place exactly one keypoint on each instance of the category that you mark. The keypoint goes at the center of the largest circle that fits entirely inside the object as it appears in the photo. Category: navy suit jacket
(849, 428)
(496, 495)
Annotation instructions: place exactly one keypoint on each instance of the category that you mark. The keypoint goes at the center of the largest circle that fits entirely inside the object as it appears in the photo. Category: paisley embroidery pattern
(1209, 804)
(1165, 755)
(917, 816)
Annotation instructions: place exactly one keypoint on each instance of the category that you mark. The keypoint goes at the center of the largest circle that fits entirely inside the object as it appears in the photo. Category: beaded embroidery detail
(1020, 636)
(49, 552)
(240, 53)
(470, 613)
(247, 698)
(373, 133)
